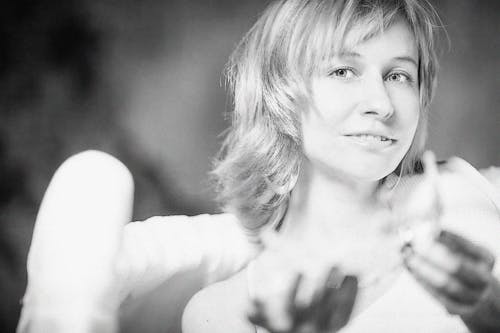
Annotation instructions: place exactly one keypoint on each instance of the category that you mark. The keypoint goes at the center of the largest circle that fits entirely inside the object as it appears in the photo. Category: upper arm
(218, 308)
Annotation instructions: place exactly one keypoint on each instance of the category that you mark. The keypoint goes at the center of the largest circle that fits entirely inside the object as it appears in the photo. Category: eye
(342, 73)
(398, 77)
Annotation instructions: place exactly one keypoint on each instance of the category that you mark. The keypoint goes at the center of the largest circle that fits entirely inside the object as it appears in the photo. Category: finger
(430, 165)
(274, 310)
(264, 316)
(256, 314)
(458, 243)
(309, 294)
(451, 305)
(259, 316)
(441, 281)
(423, 201)
(329, 300)
(313, 294)
(346, 298)
(293, 312)
(472, 273)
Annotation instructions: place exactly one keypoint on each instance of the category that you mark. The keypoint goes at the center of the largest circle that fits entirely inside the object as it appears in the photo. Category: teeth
(372, 137)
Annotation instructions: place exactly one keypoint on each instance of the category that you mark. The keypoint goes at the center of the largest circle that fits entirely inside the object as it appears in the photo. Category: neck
(329, 199)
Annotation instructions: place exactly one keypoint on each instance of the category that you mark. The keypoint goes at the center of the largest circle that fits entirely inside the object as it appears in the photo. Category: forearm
(154, 250)
(486, 317)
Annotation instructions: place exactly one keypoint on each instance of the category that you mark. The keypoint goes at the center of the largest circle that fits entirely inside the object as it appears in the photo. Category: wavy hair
(269, 74)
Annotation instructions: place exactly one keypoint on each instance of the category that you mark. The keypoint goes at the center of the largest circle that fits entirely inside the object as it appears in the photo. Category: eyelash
(336, 70)
(407, 77)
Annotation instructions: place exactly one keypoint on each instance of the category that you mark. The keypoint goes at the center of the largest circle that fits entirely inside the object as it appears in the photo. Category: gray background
(142, 80)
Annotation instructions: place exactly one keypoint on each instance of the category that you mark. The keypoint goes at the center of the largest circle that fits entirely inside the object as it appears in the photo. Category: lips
(372, 137)
(370, 140)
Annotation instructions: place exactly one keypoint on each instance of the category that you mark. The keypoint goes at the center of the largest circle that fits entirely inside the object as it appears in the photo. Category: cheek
(407, 105)
(410, 122)
(330, 102)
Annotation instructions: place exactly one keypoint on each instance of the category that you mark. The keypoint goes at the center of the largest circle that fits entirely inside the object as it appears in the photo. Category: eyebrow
(407, 59)
(351, 54)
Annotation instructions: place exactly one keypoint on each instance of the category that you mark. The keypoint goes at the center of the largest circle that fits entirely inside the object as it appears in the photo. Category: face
(365, 107)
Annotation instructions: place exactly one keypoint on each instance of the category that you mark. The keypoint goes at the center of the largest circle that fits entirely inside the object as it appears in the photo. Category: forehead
(333, 37)
(397, 39)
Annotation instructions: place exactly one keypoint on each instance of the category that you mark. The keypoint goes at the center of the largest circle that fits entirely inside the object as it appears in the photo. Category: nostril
(384, 113)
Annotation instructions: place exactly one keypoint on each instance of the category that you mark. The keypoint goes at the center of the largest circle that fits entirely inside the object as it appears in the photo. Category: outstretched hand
(294, 291)
(457, 271)
(77, 234)
(453, 269)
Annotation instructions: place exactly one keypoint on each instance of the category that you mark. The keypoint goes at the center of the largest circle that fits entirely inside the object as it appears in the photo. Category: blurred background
(142, 80)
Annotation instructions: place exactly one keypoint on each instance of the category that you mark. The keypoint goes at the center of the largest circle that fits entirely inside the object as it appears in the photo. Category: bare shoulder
(218, 308)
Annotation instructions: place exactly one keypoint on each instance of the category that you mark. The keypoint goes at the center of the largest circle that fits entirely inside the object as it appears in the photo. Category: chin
(368, 169)
(375, 169)
(357, 164)
(375, 174)
(356, 170)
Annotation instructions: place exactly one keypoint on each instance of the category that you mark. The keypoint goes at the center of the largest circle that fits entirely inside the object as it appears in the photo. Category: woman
(282, 170)
(331, 102)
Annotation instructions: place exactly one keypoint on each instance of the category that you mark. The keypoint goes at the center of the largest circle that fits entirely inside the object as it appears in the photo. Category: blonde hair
(268, 75)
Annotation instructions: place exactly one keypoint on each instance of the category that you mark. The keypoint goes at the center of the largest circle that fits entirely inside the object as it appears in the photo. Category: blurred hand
(292, 290)
(455, 271)
(77, 235)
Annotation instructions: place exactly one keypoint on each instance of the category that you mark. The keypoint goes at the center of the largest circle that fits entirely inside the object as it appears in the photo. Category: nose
(377, 101)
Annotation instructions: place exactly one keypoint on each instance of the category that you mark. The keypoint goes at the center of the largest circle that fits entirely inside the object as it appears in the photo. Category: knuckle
(442, 283)
(466, 270)
(458, 267)
(491, 260)
(284, 326)
(454, 288)
(457, 310)
(448, 286)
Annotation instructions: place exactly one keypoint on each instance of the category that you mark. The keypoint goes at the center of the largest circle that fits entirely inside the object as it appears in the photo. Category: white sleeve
(484, 214)
(154, 250)
(84, 259)
(488, 181)
(492, 174)
(76, 237)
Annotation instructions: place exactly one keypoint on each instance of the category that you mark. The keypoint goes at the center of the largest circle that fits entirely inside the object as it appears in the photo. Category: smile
(371, 137)
(371, 140)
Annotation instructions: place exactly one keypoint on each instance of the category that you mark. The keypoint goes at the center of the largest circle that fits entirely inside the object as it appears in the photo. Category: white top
(406, 306)
(152, 251)
(156, 249)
